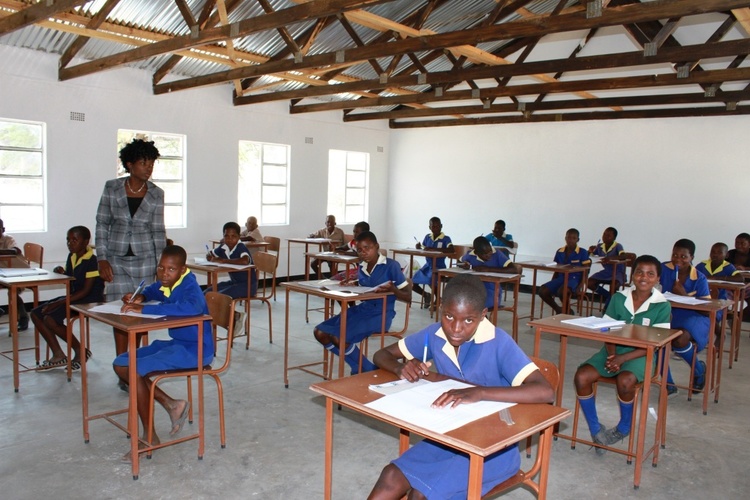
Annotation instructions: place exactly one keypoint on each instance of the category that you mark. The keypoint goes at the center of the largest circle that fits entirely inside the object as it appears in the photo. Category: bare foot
(178, 414)
(141, 445)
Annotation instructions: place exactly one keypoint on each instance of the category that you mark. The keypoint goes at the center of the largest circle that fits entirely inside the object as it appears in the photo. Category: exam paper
(19, 272)
(415, 406)
(114, 308)
(594, 323)
(683, 299)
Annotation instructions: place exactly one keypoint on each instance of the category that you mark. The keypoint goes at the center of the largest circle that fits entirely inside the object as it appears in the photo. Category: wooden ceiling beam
(659, 9)
(81, 40)
(32, 14)
(606, 61)
(630, 82)
(238, 29)
(567, 104)
(570, 117)
(187, 15)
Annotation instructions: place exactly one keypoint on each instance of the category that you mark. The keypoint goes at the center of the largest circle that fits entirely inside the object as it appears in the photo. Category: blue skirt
(361, 322)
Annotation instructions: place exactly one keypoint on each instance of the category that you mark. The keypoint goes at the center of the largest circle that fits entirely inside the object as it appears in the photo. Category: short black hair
(175, 251)
(724, 245)
(743, 236)
(573, 230)
(367, 235)
(465, 288)
(364, 226)
(500, 221)
(610, 228)
(81, 231)
(136, 150)
(435, 219)
(686, 244)
(231, 225)
(648, 259)
(481, 244)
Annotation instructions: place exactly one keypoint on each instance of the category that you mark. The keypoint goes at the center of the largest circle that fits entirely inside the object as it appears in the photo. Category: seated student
(178, 292)
(641, 304)
(86, 287)
(718, 268)
(570, 254)
(484, 258)
(434, 240)
(251, 233)
(351, 249)
(8, 246)
(678, 276)
(499, 238)
(739, 256)
(331, 232)
(467, 347)
(232, 251)
(365, 318)
(609, 250)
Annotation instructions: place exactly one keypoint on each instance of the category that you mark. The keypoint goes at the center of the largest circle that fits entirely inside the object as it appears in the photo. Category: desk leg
(710, 360)
(342, 338)
(288, 260)
(307, 278)
(403, 441)
(329, 450)
(476, 468)
(201, 408)
(561, 368)
(286, 341)
(661, 421)
(69, 332)
(133, 403)
(720, 356)
(516, 292)
(84, 380)
(13, 328)
(565, 295)
(537, 341)
(642, 420)
(545, 450)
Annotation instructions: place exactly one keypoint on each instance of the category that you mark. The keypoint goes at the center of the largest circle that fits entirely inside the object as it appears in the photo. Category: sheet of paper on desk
(540, 263)
(594, 323)
(19, 272)
(396, 386)
(494, 275)
(683, 299)
(318, 240)
(414, 406)
(204, 261)
(114, 308)
(348, 290)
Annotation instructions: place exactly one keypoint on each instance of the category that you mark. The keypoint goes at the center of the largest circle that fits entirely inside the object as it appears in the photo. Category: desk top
(435, 253)
(728, 285)
(210, 268)
(707, 306)
(313, 287)
(334, 257)
(481, 437)
(560, 268)
(248, 244)
(629, 335)
(482, 275)
(49, 278)
(135, 323)
(320, 241)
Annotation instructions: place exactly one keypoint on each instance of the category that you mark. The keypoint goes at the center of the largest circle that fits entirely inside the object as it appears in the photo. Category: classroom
(656, 180)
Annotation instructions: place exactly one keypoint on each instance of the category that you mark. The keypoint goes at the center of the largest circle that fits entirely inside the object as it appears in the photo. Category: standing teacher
(130, 232)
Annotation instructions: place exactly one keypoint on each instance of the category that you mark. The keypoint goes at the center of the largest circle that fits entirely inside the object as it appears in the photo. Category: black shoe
(123, 386)
(699, 381)
(23, 324)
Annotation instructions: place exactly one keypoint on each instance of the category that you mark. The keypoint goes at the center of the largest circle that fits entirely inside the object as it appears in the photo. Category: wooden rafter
(34, 13)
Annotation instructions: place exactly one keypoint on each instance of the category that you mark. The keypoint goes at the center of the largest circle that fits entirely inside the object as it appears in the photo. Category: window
(347, 185)
(169, 170)
(22, 175)
(263, 187)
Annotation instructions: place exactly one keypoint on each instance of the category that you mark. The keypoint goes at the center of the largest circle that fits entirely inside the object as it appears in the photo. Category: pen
(208, 250)
(424, 351)
(415, 239)
(137, 291)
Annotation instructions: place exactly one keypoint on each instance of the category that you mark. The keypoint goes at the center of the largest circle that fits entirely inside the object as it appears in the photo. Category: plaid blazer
(116, 230)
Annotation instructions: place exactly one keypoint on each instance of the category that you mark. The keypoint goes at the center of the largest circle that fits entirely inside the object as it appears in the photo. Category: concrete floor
(275, 435)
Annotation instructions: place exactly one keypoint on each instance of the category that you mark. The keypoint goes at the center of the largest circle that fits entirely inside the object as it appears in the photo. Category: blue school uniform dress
(579, 257)
(490, 358)
(184, 299)
(696, 323)
(424, 275)
(81, 269)
(498, 260)
(496, 242)
(236, 287)
(606, 274)
(726, 269)
(365, 318)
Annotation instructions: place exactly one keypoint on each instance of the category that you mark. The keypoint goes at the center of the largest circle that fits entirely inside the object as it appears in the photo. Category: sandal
(49, 365)
(77, 360)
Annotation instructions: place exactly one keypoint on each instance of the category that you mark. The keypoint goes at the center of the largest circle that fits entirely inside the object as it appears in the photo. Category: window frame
(348, 170)
(263, 184)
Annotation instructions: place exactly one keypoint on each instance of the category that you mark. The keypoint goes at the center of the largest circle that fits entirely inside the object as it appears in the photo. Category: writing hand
(455, 397)
(132, 307)
(678, 288)
(388, 286)
(419, 246)
(414, 369)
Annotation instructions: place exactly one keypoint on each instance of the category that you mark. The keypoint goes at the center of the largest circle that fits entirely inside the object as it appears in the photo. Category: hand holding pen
(419, 245)
(132, 301)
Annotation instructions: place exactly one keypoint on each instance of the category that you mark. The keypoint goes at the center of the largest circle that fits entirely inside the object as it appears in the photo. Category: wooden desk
(333, 257)
(489, 277)
(313, 288)
(428, 254)
(132, 326)
(713, 369)
(614, 263)
(566, 271)
(478, 439)
(641, 337)
(34, 281)
(249, 244)
(212, 279)
(738, 291)
(320, 242)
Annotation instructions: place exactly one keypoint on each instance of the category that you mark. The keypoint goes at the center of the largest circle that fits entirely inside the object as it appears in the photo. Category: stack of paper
(684, 299)
(595, 323)
(16, 272)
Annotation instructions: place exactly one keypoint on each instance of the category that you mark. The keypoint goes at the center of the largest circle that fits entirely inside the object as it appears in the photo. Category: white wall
(654, 180)
(81, 155)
